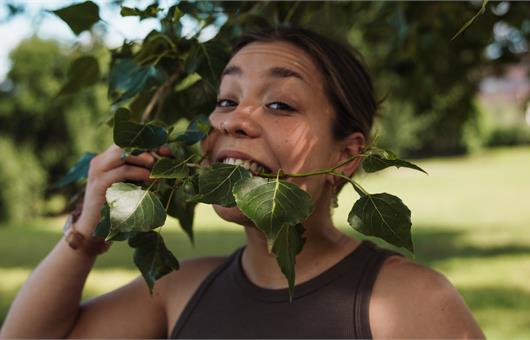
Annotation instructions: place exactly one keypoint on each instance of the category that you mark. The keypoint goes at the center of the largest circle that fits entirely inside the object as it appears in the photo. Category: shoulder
(411, 300)
(109, 315)
(178, 287)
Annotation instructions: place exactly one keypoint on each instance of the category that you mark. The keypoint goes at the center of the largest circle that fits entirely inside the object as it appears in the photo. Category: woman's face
(272, 109)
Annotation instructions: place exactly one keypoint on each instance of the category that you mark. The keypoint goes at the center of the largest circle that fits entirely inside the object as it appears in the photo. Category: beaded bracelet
(89, 246)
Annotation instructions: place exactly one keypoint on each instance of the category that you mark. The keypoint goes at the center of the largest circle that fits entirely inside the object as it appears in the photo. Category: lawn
(470, 218)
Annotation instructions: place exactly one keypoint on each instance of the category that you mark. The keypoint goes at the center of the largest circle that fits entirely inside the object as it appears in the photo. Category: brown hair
(348, 85)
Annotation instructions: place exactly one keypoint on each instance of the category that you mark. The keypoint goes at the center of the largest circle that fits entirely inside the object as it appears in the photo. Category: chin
(233, 215)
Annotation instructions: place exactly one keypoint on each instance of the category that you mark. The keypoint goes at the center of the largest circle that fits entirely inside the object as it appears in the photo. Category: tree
(55, 130)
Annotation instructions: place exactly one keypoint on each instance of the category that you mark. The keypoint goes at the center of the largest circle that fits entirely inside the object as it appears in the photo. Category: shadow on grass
(435, 245)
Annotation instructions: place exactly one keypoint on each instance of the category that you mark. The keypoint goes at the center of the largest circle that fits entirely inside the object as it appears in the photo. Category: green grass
(470, 215)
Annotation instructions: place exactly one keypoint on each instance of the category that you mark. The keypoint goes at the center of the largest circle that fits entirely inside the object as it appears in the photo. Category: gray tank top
(332, 305)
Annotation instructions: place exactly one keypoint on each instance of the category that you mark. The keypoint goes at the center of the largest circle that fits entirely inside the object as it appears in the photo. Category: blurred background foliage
(428, 83)
(43, 134)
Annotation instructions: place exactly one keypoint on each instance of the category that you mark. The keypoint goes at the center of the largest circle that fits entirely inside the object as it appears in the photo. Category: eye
(225, 103)
(280, 106)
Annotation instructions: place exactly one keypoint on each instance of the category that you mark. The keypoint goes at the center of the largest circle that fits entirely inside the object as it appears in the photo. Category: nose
(240, 123)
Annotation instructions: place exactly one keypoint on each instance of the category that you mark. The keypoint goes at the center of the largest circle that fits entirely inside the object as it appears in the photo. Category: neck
(324, 247)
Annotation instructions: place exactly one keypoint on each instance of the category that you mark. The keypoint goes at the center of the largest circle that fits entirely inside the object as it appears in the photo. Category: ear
(349, 147)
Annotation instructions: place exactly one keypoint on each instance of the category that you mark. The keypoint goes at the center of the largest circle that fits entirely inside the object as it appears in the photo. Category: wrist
(82, 240)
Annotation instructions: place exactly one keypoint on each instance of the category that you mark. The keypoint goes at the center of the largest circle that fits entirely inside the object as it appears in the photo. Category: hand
(108, 168)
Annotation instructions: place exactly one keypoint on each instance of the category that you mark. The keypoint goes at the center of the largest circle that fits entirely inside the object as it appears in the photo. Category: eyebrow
(275, 72)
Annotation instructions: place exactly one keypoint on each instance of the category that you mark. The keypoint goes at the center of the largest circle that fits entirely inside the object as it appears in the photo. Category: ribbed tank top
(333, 304)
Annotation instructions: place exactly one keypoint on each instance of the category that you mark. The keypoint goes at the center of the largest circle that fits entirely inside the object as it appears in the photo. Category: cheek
(208, 143)
(294, 143)
(313, 185)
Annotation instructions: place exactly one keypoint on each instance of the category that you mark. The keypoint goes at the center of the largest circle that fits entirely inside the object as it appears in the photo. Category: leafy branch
(178, 76)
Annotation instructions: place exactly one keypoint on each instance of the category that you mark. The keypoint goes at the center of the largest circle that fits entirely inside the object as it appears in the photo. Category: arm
(412, 301)
(48, 305)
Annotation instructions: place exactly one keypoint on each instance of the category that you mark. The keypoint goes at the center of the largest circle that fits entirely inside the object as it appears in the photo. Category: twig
(158, 94)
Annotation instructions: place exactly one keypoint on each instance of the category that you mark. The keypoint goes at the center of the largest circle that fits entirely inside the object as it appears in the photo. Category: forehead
(258, 56)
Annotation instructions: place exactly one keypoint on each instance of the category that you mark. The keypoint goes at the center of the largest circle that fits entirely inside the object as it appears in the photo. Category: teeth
(247, 164)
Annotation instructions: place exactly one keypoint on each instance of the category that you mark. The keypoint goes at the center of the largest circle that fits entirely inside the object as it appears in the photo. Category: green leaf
(198, 99)
(196, 131)
(177, 14)
(127, 79)
(155, 46)
(216, 182)
(289, 242)
(77, 172)
(138, 105)
(189, 80)
(170, 168)
(271, 204)
(376, 159)
(132, 135)
(79, 17)
(179, 208)
(150, 11)
(384, 216)
(133, 209)
(208, 60)
(103, 227)
(83, 72)
(373, 163)
(170, 24)
(152, 257)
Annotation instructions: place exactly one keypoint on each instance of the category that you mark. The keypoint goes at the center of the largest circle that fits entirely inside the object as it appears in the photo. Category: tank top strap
(199, 292)
(363, 293)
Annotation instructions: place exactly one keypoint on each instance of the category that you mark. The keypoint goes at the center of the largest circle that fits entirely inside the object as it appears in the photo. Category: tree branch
(160, 92)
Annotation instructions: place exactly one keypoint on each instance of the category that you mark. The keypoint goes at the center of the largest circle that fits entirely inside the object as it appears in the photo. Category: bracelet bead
(92, 246)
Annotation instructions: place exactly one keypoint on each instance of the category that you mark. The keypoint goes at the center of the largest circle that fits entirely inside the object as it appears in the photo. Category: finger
(113, 157)
(121, 173)
(107, 160)
(164, 151)
(145, 159)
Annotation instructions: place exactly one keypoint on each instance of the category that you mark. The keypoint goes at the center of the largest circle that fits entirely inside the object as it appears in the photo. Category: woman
(288, 99)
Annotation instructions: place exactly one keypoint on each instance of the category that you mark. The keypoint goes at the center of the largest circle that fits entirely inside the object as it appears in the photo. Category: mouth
(243, 160)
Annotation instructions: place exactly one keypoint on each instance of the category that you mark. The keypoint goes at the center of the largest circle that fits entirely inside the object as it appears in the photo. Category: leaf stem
(170, 197)
(312, 173)
(155, 181)
(360, 190)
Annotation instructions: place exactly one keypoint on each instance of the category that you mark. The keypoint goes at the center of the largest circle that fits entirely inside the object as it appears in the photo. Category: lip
(223, 154)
